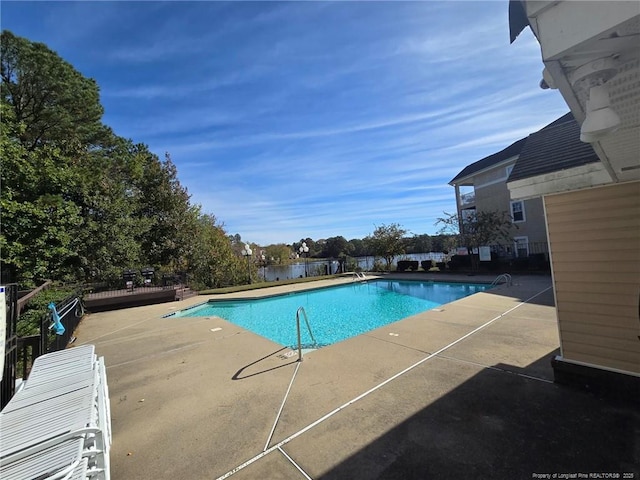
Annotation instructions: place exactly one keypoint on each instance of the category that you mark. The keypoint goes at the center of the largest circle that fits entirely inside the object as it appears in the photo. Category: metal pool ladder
(506, 277)
(359, 276)
(306, 319)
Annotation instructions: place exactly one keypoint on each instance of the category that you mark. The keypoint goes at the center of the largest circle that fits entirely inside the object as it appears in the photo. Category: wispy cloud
(297, 119)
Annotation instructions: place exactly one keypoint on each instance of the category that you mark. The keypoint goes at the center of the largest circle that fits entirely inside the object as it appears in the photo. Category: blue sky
(306, 119)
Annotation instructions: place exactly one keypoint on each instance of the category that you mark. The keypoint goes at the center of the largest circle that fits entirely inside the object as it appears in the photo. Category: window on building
(468, 214)
(517, 211)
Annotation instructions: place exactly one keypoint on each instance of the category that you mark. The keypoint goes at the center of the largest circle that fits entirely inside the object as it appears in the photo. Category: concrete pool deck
(464, 391)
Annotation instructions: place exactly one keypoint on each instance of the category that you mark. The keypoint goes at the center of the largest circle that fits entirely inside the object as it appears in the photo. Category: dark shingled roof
(556, 147)
(553, 148)
(510, 151)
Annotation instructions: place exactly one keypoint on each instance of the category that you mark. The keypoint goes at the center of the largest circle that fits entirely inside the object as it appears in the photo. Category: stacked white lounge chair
(58, 425)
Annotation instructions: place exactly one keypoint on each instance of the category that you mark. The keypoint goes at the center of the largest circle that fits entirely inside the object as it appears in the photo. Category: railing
(22, 301)
(306, 319)
(505, 277)
(531, 256)
(359, 276)
(467, 198)
(8, 382)
(70, 311)
(29, 348)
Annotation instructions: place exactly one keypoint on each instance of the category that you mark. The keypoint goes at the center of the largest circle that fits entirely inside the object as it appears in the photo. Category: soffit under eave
(618, 151)
(577, 178)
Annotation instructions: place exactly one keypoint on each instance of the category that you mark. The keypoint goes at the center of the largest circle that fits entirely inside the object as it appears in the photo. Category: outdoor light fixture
(601, 118)
(593, 76)
(246, 252)
(547, 80)
(304, 249)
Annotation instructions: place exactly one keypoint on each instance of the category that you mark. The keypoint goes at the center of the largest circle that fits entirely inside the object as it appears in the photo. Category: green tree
(444, 242)
(80, 203)
(61, 181)
(478, 228)
(357, 247)
(109, 238)
(419, 244)
(211, 261)
(165, 202)
(335, 247)
(53, 101)
(38, 216)
(277, 254)
(314, 251)
(387, 241)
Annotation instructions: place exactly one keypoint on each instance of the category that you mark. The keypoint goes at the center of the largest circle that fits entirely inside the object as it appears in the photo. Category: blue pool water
(335, 313)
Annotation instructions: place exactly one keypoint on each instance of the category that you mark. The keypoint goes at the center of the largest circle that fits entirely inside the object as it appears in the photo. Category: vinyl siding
(496, 196)
(594, 239)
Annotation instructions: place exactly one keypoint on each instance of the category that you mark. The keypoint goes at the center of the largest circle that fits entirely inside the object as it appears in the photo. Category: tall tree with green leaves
(51, 120)
(335, 247)
(38, 214)
(419, 244)
(53, 101)
(211, 261)
(81, 203)
(165, 202)
(387, 241)
(109, 238)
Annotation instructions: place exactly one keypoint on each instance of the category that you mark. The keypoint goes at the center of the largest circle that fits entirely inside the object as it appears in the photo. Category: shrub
(460, 262)
(407, 265)
(426, 265)
(378, 266)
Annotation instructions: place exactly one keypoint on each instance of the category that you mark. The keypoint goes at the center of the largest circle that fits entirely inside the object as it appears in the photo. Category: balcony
(467, 199)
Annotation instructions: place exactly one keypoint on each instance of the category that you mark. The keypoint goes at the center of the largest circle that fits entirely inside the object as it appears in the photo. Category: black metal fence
(512, 257)
(8, 383)
(70, 310)
(20, 352)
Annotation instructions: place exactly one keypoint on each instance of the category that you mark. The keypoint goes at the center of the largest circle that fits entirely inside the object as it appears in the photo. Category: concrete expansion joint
(298, 467)
(368, 392)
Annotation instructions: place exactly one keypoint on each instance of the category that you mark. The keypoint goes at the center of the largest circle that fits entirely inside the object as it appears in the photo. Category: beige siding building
(591, 55)
(596, 287)
(482, 186)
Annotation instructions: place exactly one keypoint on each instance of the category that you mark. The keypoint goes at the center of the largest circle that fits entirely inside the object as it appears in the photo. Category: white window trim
(524, 214)
(525, 241)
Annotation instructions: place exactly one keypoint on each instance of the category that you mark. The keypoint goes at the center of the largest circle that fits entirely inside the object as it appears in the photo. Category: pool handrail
(505, 277)
(306, 319)
(359, 276)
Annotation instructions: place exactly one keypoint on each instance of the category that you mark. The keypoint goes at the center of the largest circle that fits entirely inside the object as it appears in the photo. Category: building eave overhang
(468, 179)
(574, 35)
(577, 178)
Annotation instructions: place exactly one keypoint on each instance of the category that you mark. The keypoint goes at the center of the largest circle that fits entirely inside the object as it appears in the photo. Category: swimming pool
(335, 313)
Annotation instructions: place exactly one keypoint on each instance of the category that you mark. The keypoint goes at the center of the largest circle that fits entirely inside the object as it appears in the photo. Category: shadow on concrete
(501, 426)
(545, 299)
(236, 376)
(540, 369)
